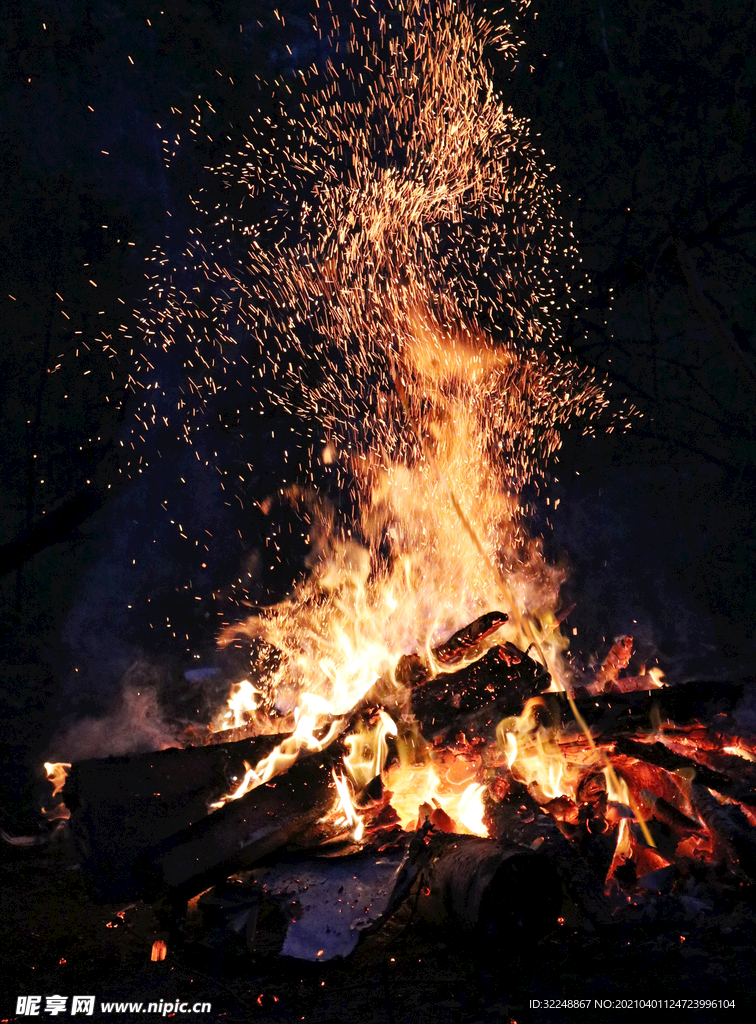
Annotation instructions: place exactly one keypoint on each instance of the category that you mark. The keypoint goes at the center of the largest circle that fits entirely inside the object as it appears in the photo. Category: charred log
(617, 659)
(464, 884)
(499, 682)
(663, 757)
(481, 888)
(669, 815)
(242, 832)
(734, 838)
(520, 820)
(709, 751)
(641, 710)
(122, 806)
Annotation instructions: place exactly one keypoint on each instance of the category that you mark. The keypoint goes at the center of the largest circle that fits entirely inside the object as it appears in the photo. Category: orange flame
(457, 420)
(159, 950)
(57, 773)
(448, 783)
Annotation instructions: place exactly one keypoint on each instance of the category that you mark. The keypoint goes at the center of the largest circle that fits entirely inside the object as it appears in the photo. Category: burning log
(257, 724)
(644, 776)
(132, 816)
(734, 838)
(673, 818)
(641, 711)
(478, 886)
(242, 832)
(617, 659)
(122, 806)
(520, 820)
(663, 757)
(658, 792)
(499, 682)
(459, 649)
(707, 749)
(466, 640)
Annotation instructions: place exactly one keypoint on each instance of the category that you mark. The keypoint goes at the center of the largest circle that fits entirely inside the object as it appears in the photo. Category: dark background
(123, 549)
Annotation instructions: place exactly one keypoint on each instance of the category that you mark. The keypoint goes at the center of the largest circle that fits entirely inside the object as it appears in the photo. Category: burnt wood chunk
(734, 837)
(502, 680)
(123, 806)
(467, 639)
(241, 832)
(487, 890)
(663, 757)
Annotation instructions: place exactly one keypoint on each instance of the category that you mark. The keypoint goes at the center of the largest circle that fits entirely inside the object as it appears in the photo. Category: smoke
(135, 724)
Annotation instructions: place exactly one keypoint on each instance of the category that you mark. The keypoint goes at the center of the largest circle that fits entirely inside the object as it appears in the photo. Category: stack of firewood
(143, 825)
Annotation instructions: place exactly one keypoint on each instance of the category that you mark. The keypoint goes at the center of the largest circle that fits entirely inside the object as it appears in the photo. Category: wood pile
(680, 831)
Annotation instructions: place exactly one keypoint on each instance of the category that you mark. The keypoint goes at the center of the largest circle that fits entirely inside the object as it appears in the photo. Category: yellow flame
(436, 423)
(57, 773)
(414, 786)
(349, 812)
(617, 789)
(242, 701)
(534, 756)
(741, 751)
(657, 677)
(367, 749)
(624, 846)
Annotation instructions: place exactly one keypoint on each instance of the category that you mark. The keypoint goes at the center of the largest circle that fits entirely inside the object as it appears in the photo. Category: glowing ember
(159, 950)
(417, 791)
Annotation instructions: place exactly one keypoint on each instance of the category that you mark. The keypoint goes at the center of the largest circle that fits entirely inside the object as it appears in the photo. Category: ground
(57, 940)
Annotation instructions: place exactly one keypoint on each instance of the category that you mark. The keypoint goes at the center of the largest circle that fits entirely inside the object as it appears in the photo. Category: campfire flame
(367, 750)
(412, 236)
(534, 756)
(242, 702)
(419, 791)
(350, 814)
(57, 773)
(406, 296)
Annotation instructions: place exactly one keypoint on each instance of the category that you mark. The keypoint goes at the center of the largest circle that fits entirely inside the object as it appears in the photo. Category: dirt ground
(58, 940)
